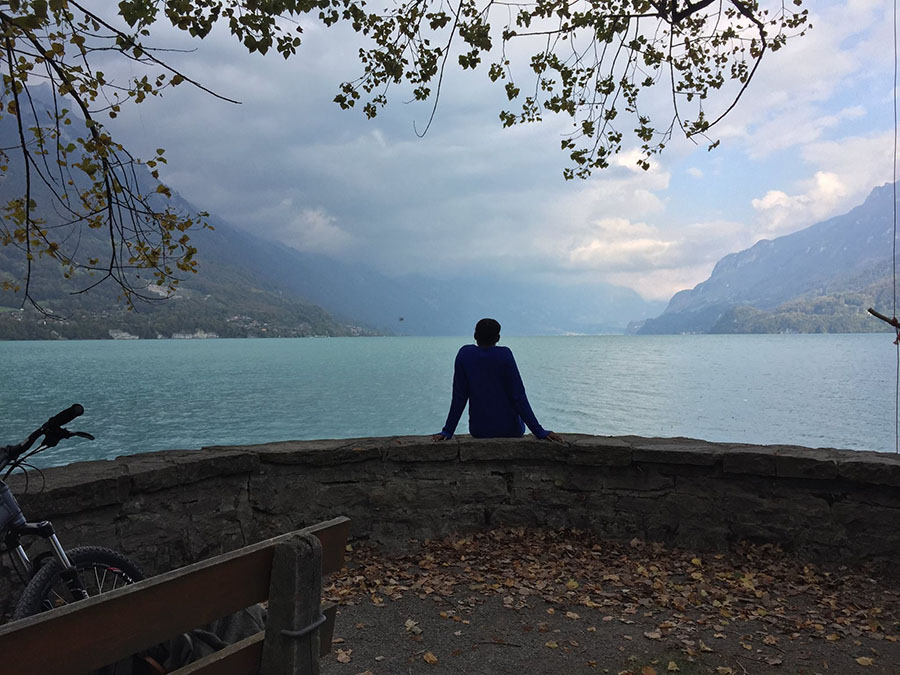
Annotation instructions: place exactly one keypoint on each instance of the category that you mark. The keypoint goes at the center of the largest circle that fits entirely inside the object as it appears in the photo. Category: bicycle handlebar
(51, 430)
(64, 417)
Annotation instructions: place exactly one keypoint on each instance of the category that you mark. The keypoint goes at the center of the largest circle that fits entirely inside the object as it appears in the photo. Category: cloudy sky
(810, 139)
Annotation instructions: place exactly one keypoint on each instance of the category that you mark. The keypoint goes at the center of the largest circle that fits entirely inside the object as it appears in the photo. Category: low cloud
(854, 166)
(307, 229)
(621, 245)
(782, 213)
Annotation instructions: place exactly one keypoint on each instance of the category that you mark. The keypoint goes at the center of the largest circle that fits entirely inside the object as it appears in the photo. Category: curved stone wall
(167, 509)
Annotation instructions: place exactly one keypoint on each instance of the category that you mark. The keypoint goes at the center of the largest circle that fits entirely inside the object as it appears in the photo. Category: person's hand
(439, 437)
(555, 437)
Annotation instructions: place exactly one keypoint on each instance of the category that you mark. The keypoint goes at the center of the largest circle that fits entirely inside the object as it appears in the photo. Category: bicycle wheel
(98, 569)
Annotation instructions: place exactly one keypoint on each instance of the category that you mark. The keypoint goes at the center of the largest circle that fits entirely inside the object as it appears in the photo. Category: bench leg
(295, 591)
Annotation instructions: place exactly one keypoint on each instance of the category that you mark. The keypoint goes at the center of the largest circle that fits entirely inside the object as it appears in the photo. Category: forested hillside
(820, 279)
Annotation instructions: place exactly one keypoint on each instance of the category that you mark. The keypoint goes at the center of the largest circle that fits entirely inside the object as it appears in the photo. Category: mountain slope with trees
(819, 279)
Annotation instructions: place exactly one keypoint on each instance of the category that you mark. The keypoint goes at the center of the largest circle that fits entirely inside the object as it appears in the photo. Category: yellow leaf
(552, 644)
(864, 661)
(572, 615)
(571, 584)
(672, 667)
(430, 658)
(696, 561)
(831, 637)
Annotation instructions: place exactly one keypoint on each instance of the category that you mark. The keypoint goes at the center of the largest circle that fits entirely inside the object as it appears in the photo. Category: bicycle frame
(13, 527)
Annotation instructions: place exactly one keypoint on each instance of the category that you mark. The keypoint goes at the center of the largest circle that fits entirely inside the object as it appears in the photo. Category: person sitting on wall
(486, 376)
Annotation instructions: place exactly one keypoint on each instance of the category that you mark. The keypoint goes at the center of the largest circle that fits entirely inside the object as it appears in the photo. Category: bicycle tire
(99, 570)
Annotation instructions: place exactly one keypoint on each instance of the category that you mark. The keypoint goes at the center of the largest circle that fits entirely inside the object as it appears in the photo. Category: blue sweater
(488, 379)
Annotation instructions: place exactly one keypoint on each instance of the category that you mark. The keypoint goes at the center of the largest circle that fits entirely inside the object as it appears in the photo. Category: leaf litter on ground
(755, 605)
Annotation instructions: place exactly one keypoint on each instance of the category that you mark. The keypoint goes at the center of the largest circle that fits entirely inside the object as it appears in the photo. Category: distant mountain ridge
(819, 279)
(415, 305)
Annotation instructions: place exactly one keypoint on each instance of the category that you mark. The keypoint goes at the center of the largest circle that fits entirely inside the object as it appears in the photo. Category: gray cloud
(289, 164)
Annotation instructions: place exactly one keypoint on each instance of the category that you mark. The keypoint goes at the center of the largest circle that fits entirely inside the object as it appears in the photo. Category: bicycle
(55, 577)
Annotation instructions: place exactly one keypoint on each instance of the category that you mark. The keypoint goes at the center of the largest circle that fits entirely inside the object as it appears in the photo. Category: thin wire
(894, 249)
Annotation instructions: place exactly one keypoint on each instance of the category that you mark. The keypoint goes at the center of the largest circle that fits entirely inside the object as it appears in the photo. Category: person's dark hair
(487, 332)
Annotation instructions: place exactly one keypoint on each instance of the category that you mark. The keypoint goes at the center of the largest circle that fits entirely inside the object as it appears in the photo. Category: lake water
(139, 396)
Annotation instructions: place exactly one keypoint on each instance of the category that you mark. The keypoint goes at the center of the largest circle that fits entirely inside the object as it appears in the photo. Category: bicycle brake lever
(83, 434)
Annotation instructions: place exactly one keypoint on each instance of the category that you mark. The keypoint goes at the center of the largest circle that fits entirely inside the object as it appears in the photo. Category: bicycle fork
(11, 517)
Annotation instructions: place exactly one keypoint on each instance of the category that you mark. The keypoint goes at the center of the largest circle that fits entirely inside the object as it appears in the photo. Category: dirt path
(519, 602)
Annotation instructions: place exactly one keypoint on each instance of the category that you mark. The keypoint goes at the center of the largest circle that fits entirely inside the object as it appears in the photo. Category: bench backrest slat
(106, 628)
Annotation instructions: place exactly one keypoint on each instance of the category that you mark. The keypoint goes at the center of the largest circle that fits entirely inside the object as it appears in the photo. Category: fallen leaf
(648, 670)
(551, 644)
(672, 667)
(572, 615)
(772, 640)
(343, 655)
(571, 584)
(864, 661)
(653, 635)
(430, 658)
(725, 670)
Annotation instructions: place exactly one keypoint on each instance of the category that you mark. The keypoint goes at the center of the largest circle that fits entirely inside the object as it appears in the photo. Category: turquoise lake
(140, 396)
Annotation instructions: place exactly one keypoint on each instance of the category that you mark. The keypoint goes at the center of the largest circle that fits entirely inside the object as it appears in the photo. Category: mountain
(251, 286)
(819, 279)
(226, 300)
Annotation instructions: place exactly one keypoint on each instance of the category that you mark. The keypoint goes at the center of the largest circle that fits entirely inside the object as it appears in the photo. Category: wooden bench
(286, 570)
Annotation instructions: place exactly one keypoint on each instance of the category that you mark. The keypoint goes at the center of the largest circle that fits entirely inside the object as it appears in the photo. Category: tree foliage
(589, 60)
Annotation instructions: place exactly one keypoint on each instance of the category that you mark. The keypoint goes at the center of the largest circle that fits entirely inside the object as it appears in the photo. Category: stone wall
(167, 509)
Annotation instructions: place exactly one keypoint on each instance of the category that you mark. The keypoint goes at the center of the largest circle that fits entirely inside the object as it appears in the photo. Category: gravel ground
(517, 601)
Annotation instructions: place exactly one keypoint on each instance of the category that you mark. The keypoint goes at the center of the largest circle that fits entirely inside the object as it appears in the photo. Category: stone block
(479, 489)
(417, 450)
(527, 448)
(753, 459)
(600, 450)
(71, 489)
(869, 467)
(698, 453)
(797, 462)
(154, 472)
(326, 453)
